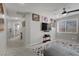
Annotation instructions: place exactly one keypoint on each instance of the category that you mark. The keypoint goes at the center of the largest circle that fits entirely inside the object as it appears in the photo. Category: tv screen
(44, 27)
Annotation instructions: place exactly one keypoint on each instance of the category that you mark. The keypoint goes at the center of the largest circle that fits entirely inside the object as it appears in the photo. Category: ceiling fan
(65, 12)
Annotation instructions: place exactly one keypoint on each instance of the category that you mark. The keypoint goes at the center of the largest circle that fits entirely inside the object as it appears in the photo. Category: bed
(60, 49)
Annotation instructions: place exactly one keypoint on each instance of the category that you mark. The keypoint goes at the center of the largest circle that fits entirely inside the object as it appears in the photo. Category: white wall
(27, 29)
(36, 34)
(3, 37)
(3, 40)
(33, 33)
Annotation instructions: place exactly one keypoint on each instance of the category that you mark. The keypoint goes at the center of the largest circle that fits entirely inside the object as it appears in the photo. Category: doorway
(15, 34)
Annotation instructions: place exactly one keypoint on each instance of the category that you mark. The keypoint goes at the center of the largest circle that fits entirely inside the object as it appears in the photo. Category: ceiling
(35, 7)
(44, 8)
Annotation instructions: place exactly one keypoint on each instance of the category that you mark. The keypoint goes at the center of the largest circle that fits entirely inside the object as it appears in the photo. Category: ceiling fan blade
(64, 12)
(73, 11)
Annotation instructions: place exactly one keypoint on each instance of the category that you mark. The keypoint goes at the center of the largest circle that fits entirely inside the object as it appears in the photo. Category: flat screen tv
(45, 27)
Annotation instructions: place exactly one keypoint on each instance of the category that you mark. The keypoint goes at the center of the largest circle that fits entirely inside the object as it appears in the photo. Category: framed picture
(1, 24)
(35, 17)
(1, 8)
(44, 19)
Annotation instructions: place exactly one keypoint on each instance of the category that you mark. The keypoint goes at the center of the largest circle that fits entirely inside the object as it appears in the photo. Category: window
(67, 26)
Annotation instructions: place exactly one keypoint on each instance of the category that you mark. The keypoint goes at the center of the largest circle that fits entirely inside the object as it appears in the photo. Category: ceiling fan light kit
(64, 11)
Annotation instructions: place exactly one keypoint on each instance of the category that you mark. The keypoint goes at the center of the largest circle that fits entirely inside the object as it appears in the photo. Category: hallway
(15, 42)
(21, 51)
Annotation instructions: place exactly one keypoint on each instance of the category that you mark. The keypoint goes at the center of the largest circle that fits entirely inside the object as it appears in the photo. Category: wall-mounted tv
(45, 27)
